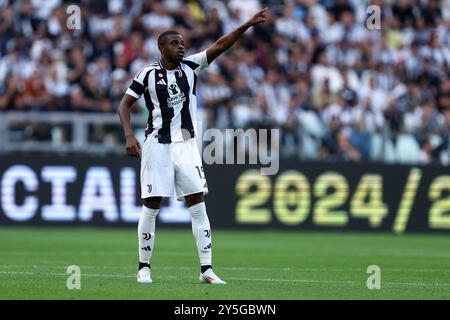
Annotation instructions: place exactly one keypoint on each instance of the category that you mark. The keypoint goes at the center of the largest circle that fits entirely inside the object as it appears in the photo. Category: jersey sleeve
(136, 89)
(197, 61)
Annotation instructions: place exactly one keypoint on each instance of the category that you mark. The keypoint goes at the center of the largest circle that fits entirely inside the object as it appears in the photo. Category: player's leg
(146, 236)
(157, 181)
(201, 230)
(190, 184)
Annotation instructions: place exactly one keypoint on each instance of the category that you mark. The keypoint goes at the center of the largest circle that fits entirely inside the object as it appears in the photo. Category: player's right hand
(133, 147)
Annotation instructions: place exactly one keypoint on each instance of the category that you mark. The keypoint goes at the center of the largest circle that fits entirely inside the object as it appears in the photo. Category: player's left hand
(259, 17)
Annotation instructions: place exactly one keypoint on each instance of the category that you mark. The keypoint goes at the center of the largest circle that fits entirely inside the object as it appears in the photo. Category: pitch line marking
(159, 253)
(421, 284)
(232, 268)
(21, 253)
(343, 282)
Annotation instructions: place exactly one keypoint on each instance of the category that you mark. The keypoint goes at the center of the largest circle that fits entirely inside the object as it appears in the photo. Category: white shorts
(165, 166)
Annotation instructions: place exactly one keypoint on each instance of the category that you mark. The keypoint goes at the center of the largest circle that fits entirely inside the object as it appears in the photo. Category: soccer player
(169, 156)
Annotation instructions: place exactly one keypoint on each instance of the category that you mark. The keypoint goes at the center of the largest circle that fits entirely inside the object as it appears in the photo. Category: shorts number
(201, 173)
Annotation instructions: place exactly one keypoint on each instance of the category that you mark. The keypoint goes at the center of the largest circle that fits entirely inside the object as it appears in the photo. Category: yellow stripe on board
(407, 201)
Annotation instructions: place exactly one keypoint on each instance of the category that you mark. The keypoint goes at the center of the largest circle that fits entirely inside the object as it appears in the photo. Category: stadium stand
(337, 90)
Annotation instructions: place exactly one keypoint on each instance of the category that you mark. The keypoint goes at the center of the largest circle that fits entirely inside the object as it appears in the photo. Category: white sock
(146, 233)
(202, 232)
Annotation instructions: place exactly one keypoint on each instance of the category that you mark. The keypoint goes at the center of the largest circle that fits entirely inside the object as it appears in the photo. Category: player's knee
(194, 199)
(153, 202)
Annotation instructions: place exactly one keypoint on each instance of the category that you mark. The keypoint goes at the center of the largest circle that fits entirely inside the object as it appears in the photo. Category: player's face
(173, 49)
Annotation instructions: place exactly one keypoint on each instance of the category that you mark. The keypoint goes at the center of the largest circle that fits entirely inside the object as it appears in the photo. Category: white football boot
(143, 275)
(210, 277)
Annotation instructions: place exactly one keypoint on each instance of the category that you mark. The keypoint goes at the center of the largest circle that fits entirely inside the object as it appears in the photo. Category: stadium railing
(76, 127)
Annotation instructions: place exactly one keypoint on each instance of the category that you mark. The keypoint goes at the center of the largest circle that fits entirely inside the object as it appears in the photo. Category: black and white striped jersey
(170, 98)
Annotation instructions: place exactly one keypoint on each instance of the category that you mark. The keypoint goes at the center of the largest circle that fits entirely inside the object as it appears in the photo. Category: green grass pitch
(256, 264)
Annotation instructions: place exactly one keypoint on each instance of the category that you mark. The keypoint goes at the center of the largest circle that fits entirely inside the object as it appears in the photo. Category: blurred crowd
(337, 88)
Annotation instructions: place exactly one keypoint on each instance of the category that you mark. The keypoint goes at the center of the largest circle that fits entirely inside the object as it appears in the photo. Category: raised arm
(132, 144)
(228, 40)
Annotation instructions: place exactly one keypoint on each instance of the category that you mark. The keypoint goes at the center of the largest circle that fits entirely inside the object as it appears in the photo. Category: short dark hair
(162, 39)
